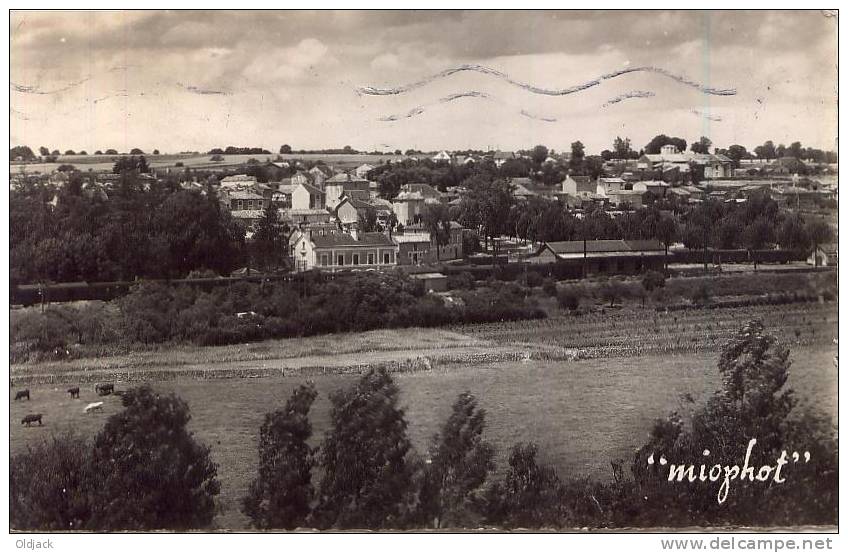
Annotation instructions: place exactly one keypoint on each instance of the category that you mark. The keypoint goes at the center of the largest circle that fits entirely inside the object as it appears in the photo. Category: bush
(50, 486)
(151, 472)
(613, 290)
(701, 294)
(549, 287)
(533, 279)
(529, 496)
(569, 298)
(461, 281)
(653, 280)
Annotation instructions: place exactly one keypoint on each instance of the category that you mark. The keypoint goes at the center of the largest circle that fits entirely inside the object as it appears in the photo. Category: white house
(441, 156)
(609, 184)
(362, 170)
(306, 196)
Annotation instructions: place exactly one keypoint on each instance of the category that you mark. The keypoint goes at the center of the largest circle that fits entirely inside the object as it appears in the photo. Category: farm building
(604, 256)
(433, 282)
(634, 198)
(826, 255)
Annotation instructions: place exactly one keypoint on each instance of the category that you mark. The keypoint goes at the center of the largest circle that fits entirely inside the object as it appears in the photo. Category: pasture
(582, 413)
(104, 163)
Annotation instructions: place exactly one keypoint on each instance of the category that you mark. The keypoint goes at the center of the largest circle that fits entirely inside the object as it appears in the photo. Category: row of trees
(47, 155)
(67, 236)
(753, 225)
(145, 471)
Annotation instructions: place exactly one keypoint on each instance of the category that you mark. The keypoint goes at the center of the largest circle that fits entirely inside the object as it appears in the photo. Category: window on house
(340, 260)
(356, 259)
(324, 260)
(386, 259)
(370, 258)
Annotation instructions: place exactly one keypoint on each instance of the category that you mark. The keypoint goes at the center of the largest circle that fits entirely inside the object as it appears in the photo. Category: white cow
(96, 406)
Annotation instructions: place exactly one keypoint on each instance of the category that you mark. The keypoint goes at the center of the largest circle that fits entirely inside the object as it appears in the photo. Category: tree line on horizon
(621, 149)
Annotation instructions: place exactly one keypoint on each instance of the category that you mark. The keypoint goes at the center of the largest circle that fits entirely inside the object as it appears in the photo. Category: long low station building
(604, 256)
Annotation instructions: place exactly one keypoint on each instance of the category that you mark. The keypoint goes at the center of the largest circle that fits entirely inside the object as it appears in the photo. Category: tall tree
(281, 495)
(653, 147)
(460, 461)
(666, 232)
(766, 151)
(702, 146)
(819, 233)
(367, 480)
(795, 150)
(436, 220)
(578, 153)
(621, 148)
(539, 154)
(268, 245)
(757, 236)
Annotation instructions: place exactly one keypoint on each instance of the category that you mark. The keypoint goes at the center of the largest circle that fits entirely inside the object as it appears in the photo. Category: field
(105, 163)
(583, 413)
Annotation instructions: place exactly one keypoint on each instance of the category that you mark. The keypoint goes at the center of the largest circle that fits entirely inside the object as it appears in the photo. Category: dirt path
(400, 360)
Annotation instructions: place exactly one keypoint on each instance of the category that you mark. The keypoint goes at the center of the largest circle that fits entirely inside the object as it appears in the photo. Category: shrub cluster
(154, 312)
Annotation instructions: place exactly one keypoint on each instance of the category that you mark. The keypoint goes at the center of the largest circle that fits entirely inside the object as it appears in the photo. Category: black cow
(104, 389)
(22, 394)
(74, 391)
(29, 419)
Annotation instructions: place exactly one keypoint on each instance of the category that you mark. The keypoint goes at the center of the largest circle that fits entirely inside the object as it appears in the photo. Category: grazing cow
(96, 406)
(74, 391)
(104, 389)
(22, 394)
(29, 419)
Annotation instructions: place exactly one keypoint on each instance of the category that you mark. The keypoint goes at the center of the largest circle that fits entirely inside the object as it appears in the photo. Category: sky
(194, 80)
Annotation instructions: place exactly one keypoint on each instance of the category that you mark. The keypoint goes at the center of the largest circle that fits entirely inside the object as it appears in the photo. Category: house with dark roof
(242, 200)
(306, 196)
(603, 256)
(349, 211)
(343, 251)
(573, 185)
(634, 198)
(343, 184)
(446, 252)
(427, 192)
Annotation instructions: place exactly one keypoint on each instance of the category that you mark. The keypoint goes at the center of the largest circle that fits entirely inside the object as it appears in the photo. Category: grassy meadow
(582, 413)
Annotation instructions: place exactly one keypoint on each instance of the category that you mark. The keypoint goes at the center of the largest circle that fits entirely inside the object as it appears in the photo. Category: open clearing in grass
(583, 414)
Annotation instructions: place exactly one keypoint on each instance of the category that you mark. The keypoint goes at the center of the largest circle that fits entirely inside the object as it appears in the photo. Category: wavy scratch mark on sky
(707, 115)
(418, 110)
(33, 89)
(627, 96)
(19, 114)
(203, 91)
(375, 91)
